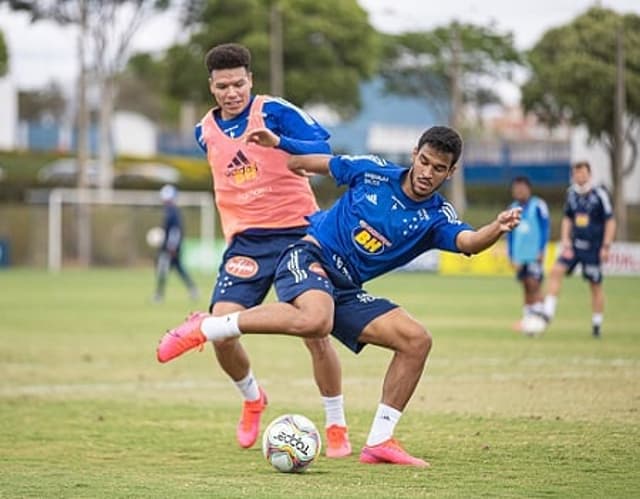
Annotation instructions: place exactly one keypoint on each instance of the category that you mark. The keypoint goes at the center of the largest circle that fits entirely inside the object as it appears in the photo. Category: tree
(573, 79)
(106, 30)
(450, 66)
(328, 47)
(4, 56)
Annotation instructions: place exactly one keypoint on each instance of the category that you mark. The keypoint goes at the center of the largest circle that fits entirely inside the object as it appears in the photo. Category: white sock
(596, 319)
(383, 425)
(248, 386)
(538, 307)
(220, 328)
(550, 303)
(334, 411)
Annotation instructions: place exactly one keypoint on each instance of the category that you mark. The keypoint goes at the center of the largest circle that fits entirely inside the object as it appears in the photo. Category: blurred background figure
(587, 231)
(526, 246)
(169, 254)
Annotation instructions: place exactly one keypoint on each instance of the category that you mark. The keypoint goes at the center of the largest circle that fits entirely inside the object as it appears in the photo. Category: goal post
(119, 197)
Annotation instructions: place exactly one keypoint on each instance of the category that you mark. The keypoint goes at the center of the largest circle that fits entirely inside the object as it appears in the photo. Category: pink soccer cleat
(338, 444)
(249, 424)
(183, 338)
(389, 452)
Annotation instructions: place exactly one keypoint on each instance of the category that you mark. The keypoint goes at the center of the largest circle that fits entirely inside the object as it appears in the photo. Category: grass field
(86, 411)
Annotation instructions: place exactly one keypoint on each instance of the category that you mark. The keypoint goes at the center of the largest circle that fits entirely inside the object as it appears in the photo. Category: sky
(42, 52)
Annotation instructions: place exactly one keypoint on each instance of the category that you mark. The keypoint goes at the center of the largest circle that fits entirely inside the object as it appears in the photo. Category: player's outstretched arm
(475, 241)
(317, 164)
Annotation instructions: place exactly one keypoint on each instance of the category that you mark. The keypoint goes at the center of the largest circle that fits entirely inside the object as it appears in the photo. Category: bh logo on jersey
(241, 170)
(368, 240)
(241, 266)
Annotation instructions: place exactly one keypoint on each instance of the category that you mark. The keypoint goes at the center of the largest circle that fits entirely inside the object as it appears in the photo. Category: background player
(388, 216)
(169, 255)
(527, 243)
(262, 207)
(587, 231)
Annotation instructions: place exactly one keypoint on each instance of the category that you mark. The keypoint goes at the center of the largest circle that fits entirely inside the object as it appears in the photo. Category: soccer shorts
(532, 270)
(590, 262)
(303, 267)
(249, 264)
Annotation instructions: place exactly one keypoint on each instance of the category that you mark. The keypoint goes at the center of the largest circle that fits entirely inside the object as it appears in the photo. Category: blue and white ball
(290, 443)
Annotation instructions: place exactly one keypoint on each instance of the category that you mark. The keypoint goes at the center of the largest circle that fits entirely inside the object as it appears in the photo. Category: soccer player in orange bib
(262, 207)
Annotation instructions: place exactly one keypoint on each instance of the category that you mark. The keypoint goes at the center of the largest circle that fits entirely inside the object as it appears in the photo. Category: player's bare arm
(609, 235)
(475, 241)
(565, 237)
(317, 164)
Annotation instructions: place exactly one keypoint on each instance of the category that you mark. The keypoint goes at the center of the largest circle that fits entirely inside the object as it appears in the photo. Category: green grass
(86, 411)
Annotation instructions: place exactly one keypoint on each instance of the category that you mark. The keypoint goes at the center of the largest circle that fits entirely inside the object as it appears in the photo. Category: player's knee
(418, 342)
(318, 346)
(312, 325)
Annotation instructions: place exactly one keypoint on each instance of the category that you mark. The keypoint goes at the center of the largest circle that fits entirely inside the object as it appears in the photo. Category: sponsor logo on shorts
(316, 268)
(241, 266)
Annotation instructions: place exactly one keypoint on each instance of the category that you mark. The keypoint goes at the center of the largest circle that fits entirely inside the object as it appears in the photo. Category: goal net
(115, 224)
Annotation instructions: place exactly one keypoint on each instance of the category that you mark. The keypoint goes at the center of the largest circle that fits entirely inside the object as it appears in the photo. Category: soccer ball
(291, 443)
(533, 325)
(155, 237)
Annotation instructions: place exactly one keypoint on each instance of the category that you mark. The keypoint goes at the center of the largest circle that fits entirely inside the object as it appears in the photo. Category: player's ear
(414, 153)
(452, 169)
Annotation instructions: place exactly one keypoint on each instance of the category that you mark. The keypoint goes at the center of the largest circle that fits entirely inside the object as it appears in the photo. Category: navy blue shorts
(303, 267)
(590, 261)
(249, 265)
(532, 270)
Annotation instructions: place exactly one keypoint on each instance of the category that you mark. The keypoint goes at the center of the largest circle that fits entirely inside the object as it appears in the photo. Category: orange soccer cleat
(390, 452)
(183, 338)
(338, 444)
(249, 424)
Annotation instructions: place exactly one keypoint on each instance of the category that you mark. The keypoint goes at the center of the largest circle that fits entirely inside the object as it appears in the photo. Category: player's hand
(509, 219)
(263, 137)
(567, 253)
(604, 254)
(301, 172)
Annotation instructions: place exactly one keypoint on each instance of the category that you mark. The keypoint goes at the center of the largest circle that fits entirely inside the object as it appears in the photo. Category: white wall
(133, 134)
(9, 114)
(598, 157)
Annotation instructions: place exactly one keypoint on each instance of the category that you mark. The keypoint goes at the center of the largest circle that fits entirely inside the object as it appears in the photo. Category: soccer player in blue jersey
(169, 255)
(586, 233)
(526, 245)
(262, 207)
(388, 216)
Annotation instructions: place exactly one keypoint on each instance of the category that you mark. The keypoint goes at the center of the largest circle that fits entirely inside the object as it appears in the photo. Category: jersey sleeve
(200, 137)
(445, 232)
(299, 133)
(346, 170)
(568, 210)
(605, 201)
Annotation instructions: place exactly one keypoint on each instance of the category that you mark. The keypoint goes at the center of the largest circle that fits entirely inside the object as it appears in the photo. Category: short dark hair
(521, 179)
(443, 139)
(582, 164)
(227, 56)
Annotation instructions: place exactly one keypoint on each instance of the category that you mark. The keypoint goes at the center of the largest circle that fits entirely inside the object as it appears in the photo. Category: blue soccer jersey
(588, 213)
(528, 240)
(375, 227)
(299, 133)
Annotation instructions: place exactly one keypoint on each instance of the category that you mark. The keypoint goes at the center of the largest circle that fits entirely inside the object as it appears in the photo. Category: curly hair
(228, 56)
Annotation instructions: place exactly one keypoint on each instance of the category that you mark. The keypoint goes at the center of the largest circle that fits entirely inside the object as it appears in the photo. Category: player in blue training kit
(587, 231)
(526, 246)
(388, 215)
(169, 254)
